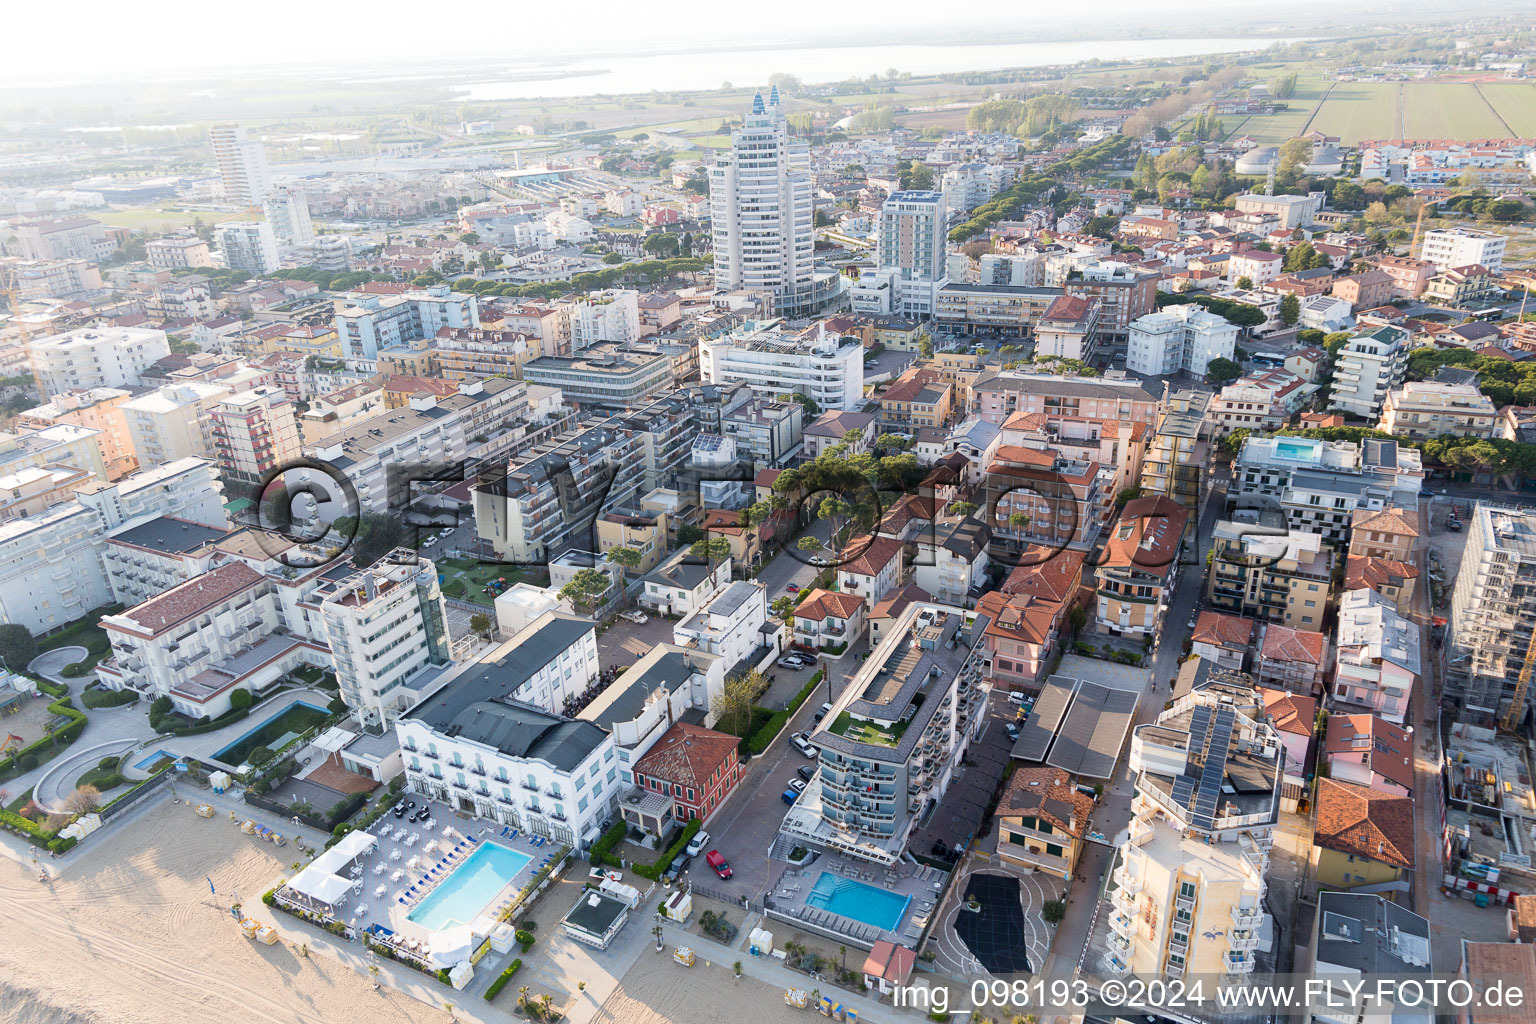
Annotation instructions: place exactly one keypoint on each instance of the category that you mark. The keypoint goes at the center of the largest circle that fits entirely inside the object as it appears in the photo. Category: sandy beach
(131, 934)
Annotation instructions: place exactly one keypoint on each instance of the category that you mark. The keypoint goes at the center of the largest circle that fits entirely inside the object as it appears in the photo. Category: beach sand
(132, 934)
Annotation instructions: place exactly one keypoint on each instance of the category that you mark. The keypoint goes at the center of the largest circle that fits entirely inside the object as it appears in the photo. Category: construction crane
(1516, 710)
(1418, 223)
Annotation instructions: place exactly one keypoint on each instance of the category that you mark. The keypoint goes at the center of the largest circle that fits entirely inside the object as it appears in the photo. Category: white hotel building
(1179, 338)
(95, 357)
(386, 627)
(51, 566)
(473, 743)
(827, 368)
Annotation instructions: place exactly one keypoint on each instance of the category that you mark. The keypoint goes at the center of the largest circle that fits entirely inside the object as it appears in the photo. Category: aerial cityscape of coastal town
(1018, 523)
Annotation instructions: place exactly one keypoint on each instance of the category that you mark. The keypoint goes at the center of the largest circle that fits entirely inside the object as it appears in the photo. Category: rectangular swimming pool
(469, 887)
(152, 760)
(274, 732)
(866, 903)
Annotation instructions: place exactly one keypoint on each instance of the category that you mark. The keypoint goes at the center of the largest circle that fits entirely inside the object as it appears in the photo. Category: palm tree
(522, 997)
(544, 1001)
(373, 973)
(449, 1008)
(843, 952)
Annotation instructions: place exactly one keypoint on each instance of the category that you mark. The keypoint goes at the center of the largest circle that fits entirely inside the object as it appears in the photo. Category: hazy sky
(91, 39)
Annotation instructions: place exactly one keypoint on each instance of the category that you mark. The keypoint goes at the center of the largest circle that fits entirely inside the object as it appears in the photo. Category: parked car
(793, 588)
(792, 661)
(1016, 696)
(700, 840)
(823, 711)
(638, 618)
(1454, 525)
(789, 796)
(803, 745)
(1013, 730)
(714, 860)
(806, 772)
(670, 875)
(1426, 493)
(798, 785)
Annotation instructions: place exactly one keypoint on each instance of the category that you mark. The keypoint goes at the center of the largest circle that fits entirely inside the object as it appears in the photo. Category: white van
(700, 840)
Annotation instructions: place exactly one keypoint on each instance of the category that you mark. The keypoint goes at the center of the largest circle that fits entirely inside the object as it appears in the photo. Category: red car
(714, 860)
(793, 588)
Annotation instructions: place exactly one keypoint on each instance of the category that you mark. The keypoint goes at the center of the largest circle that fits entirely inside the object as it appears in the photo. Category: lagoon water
(710, 69)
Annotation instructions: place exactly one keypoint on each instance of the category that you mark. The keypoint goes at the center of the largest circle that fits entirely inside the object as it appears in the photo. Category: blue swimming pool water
(1295, 450)
(469, 887)
(866, 903)
(150, 761)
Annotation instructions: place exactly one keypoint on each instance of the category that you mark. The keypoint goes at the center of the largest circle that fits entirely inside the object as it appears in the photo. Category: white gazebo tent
(319, 886)
(451, 945)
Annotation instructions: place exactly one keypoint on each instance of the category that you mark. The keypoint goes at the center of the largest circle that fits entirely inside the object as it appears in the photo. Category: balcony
(532, 787)
(1243, 940)
(431, 755)
(1246, 917)
(478, 770)
(506, 800)
(459, 784)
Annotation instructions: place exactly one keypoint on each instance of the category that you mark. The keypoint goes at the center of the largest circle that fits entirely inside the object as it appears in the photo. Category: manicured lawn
(868, 732)
(466, 580)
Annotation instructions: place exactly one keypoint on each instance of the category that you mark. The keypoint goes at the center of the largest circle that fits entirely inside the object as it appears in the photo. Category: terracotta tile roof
(1020, 455)
(891, 962)
(1366, 823)
(1387, 520)
(873, 554)
(1282, 643)
(1385, 748)
(1232, 631)
(193, 597)
(819, 604)
(907, 508)
(766, 477)
(721, 520)
(1146, 536)
(687, 754)
(1018, 616)
(1513, 963)
(1362, 571)
(1027, 421)
(1041, 791)
(1046, 573)
(894, 603)
(1289, 712)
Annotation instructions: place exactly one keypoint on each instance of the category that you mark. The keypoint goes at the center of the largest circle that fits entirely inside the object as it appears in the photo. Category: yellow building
(1041, 820)
(321, 342)
(646, 534)
(1361, 837)
(1187, 894)
(918, 399)
(1139, 565)
(100, 409)
(1171, 893)
(746, 547)
(416, 358)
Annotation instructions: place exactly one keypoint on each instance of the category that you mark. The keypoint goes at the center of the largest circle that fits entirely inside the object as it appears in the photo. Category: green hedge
(52, 689)
(658, 867)
(602, 851)
(16, 763)
(524, 939)
(202, 724)
(502, 979)
(96, 697)
(759, 740)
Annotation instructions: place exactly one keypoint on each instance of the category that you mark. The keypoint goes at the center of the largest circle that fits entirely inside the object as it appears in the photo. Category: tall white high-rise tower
(242, 165)
(761, 208)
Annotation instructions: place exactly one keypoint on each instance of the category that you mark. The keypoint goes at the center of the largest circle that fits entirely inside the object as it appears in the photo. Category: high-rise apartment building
(248, 245)
(254, 433)
(825, 366)
(1463, 247)
(287, 210)
(1179, 338)
(173, 422)
(1490, 657)
(386, 626)
(911, 250)
(761, 207)
(95, 357)
(1370, 364)
(242, 165)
